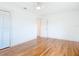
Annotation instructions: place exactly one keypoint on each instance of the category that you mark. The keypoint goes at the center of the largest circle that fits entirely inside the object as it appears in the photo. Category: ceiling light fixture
(38, 5)
(38, 8)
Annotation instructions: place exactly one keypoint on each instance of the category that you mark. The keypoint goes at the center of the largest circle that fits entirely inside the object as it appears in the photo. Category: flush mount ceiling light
(38, 8)
(38, 5)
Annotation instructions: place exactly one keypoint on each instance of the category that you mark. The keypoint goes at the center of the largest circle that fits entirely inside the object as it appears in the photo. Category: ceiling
(46, 8)
(50, 7)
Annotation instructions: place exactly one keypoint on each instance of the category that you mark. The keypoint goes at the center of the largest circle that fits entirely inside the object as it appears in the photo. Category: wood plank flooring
(43, 47)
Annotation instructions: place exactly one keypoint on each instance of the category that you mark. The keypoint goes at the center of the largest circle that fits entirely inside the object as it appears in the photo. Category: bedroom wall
(23, 23)
(24, 28)
(63, 25)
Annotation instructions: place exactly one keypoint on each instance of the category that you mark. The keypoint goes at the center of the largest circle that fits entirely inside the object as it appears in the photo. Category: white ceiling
(54, 7)
(50, 7)
(46, 7)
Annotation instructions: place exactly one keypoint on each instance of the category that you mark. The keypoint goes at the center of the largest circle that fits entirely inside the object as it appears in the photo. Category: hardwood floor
(43, 47)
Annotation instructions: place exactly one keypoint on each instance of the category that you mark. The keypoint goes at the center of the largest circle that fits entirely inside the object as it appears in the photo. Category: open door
(4, 29)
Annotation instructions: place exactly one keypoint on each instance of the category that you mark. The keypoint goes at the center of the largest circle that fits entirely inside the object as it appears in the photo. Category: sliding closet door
(4, 30)
(0, 32)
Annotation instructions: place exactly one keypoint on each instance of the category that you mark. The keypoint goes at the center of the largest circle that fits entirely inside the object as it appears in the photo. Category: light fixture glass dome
(38, 8)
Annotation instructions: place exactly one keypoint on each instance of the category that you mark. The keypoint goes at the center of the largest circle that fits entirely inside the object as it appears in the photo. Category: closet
(5, 29)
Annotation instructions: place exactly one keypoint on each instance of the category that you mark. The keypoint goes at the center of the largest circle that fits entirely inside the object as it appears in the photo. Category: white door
(44, 28)
(4, 30)
(0, 31)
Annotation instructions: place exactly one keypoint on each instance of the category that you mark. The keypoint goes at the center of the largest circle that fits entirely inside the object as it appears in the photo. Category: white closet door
(0, 31)
(4, 30)
(44, 28)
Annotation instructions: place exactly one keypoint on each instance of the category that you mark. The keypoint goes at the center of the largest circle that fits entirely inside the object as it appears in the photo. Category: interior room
(39, 28)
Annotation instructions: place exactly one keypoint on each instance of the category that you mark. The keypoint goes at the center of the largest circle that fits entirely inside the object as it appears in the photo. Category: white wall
(24, 27)
(63, 25)
(23, 23)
